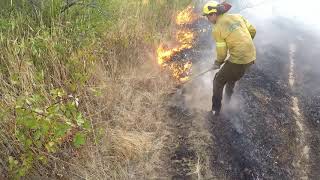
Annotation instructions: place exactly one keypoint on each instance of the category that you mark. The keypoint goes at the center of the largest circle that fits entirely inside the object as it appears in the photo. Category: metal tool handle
(199, 75)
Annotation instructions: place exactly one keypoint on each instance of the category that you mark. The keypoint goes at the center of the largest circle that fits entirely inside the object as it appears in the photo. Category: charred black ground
(260, 138)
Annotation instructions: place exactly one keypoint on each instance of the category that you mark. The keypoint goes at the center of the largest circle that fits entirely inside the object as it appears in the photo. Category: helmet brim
(227, 6)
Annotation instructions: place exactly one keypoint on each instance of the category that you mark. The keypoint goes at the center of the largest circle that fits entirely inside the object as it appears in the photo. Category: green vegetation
(67, 87)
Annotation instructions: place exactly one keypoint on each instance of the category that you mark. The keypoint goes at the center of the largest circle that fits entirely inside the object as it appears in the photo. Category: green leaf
(22, 171)
(12, 163)
(28, 143)
(86, 125)
(45, 127)
(61, 130)
(80, 120)
(31, 123)
(20, 135)
(37, 135)
(43, 159)
(71, 107)
(36, 98)
(79, 139)
(57, 93)
(53, 110)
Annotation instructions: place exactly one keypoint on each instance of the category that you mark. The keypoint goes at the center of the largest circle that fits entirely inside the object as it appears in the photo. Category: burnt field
(270, 130)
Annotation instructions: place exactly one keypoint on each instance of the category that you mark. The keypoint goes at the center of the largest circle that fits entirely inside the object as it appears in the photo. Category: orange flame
(184, 40)
(186, 16)
(181, 72)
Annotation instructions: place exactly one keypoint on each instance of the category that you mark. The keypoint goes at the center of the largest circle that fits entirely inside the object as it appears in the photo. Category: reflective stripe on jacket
(234, 33)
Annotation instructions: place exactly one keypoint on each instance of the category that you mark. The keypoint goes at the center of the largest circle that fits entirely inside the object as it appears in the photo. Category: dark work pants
(227, 76)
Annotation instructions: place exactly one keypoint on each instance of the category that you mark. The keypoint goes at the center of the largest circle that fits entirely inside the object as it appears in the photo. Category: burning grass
(186, 16)
(184, 40)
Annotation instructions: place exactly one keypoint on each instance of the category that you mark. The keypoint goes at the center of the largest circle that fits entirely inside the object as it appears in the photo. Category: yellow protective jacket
(234, 33)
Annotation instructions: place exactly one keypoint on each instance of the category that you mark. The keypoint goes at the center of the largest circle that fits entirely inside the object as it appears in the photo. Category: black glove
(216, 65)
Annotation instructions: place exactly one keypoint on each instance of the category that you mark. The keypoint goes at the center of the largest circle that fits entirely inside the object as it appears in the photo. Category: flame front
(181, 72)
(184, 40)
(186, 16)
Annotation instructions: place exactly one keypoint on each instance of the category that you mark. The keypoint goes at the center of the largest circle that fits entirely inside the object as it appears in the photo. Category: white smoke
(303, 13)
(264, 15)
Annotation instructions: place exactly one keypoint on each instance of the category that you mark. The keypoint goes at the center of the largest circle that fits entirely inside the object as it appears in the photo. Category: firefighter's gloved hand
(216, 66)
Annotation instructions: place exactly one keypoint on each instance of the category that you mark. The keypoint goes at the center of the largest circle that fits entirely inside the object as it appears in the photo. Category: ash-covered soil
(307, 89)
(182, 156)
(271, 128)
(257, 139)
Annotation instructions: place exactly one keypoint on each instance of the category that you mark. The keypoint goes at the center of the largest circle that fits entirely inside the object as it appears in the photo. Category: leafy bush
(41, 127)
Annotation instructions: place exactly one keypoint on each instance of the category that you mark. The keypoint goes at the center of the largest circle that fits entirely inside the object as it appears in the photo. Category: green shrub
(42, 125)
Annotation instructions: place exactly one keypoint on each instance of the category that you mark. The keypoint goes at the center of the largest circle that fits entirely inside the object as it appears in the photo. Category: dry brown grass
(126, 109)
(132, 126)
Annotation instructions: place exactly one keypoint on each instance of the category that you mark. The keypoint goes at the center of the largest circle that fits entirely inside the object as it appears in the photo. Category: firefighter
(235, 34)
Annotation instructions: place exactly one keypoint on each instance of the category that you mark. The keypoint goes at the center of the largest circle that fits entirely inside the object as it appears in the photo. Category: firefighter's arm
(251, 28)
(221, 47)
